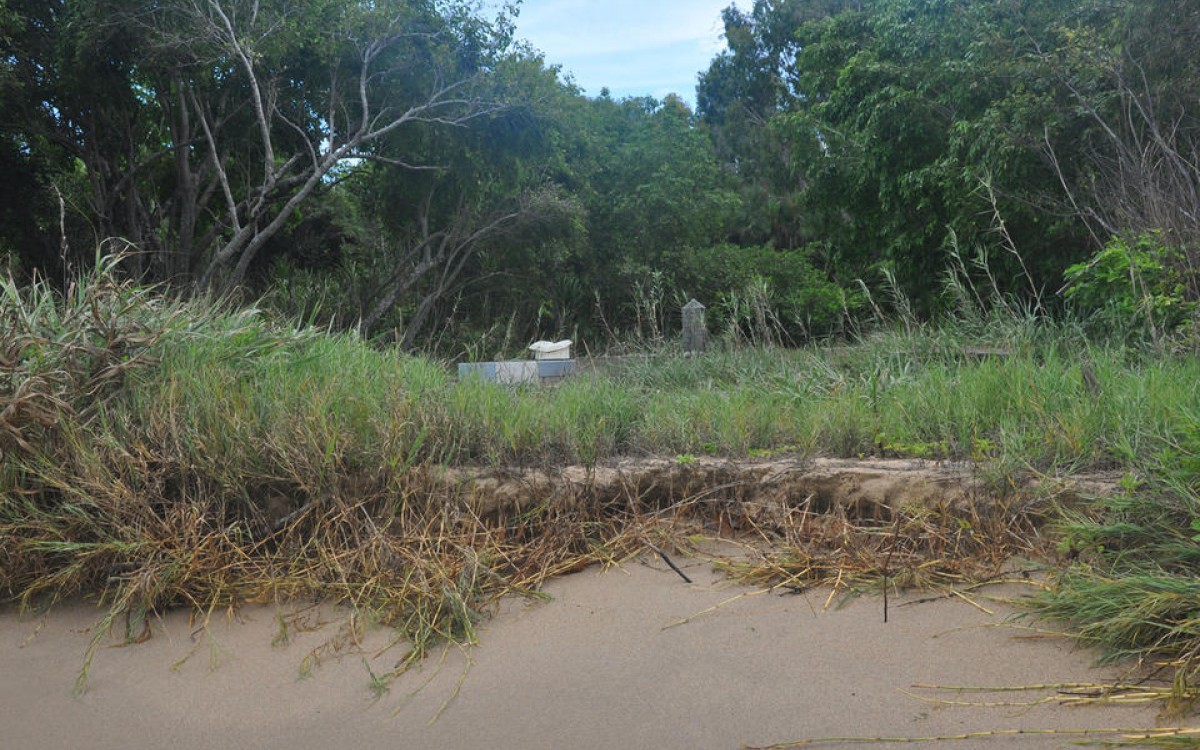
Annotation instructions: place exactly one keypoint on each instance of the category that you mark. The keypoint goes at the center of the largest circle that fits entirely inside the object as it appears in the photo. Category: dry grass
(389, 547)
(61, 359)
(1110, 736)
(914, 547)
(160, 456)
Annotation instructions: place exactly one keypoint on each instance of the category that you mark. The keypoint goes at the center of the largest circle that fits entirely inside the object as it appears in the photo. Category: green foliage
(888, 117)
(655, 192)
(797, 297)
(244, 397)
(1133, 588)
(1133, 284)
(200, 128)
(836, 144)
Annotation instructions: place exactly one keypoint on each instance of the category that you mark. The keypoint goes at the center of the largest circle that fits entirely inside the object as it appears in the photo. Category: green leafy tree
(203, 126)
(654, 190)
(1140, 173)
(907, 126)
(468, 217)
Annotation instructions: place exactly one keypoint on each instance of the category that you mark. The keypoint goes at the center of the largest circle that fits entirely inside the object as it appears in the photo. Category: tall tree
(1136, 82)
(204, 124)
(909, 128)
(482, 190)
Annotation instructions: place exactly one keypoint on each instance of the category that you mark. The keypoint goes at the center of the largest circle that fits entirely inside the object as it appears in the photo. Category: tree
(32, 159)
(204, 124)
(1140, 172)
(893, 131)
(485, 186)
(741, 99)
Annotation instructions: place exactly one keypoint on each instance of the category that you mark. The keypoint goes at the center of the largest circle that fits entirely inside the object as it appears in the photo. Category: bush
(1134, 283)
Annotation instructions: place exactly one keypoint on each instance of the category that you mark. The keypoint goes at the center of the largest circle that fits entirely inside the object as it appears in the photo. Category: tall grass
(159, 454)
(925, 393)
(241, 389)
(1132, 588)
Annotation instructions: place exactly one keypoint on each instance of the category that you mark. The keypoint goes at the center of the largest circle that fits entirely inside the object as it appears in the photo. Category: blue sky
(634, 47)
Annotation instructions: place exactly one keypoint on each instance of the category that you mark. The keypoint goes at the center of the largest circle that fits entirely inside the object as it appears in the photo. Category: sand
(593, 668)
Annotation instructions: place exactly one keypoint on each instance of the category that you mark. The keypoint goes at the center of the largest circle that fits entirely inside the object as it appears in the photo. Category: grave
(551, 363)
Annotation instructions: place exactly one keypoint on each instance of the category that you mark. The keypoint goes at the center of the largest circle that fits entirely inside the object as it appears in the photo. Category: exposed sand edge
(862, 486)
(594, 668)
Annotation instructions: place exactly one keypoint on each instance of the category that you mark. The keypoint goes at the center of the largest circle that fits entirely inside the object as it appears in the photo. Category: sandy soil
(596, 667)
(862, 487)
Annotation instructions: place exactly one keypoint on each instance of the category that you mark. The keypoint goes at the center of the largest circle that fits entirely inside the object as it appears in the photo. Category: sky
(634, 47)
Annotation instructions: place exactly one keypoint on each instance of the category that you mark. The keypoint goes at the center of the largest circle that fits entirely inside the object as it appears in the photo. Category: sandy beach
(601, 665)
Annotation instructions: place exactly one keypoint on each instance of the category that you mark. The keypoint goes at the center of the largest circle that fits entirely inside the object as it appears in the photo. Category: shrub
(1133, 283)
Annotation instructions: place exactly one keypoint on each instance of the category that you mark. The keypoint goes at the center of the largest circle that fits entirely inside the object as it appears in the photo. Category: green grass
(1133, 589)
(238, 395)
(157, 453)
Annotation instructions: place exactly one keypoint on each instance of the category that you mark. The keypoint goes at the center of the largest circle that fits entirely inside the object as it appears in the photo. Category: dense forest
(411, 169)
